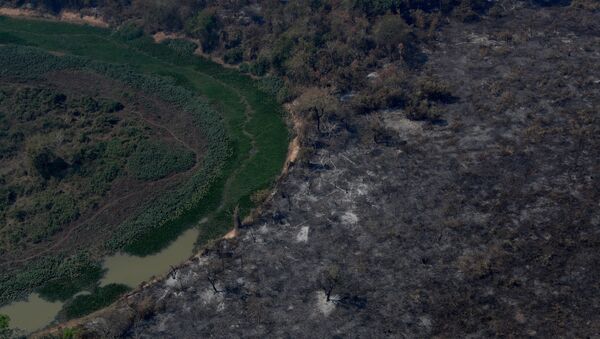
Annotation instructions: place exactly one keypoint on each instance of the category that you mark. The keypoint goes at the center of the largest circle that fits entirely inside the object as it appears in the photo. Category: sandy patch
(231, 234)
(17, 12)
(74, 17)
(397, 121)
(162, 36)
(64, 16)
(324, 306)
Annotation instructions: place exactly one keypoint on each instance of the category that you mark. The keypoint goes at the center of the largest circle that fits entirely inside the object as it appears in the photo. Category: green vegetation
(244, 150)
(99, 298)
(5, 331)
(46, 273)
(75, 147)
(69, 333)
(320, 43)
(182, 47)
(65, 287)
(153, 160)
(204, 26)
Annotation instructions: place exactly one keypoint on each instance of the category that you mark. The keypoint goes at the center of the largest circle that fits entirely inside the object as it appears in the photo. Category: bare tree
(212, 271)
(330, 279)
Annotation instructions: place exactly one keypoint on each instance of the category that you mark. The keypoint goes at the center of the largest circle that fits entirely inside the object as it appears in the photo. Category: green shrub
(47, 164)
(181, 46)
(204, 26)
(130, 32)
(234, 56)
(69, 333)
(63, 209)
(102, 179)
(65, 287)
(5, 331)
(42, 271)
(260, 67)
(88, 303)
(276, 87)
(245, 67)
(154, 160)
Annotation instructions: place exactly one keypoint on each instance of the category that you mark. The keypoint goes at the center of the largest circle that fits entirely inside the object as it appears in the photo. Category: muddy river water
(36, 313)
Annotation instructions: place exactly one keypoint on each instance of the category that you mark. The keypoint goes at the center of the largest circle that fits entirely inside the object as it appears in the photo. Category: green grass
(246, 111)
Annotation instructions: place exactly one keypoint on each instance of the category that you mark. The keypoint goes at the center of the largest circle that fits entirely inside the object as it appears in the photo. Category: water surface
(35, 313)
(31, 314)
(131, 270)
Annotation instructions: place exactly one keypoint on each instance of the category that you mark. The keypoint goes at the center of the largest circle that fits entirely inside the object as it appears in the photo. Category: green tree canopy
(204, 26)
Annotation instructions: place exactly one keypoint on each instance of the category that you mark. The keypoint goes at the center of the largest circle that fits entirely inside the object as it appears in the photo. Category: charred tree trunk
(237, 221)
(212, 282)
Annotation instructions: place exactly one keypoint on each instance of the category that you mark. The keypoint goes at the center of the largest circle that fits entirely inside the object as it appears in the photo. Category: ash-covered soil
(487, 224)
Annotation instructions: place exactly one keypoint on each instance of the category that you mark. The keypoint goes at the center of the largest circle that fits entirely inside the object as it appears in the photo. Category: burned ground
(484, 223)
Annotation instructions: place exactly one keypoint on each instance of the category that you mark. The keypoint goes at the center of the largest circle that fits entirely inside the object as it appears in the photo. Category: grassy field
(255, 130)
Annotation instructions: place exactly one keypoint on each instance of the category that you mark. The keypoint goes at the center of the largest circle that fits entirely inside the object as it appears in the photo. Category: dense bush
(204, 26)
(44, 270)
(233, 56)
(181, 46)
(129, 31)
(60, 210)
(65, 287)
(66, 164)
(275, 87)
(260, 67)
(47, 164)
(154, 160)
(99, 298)
(5, 331)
